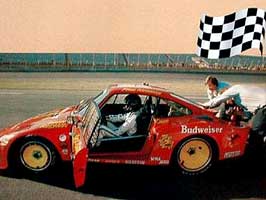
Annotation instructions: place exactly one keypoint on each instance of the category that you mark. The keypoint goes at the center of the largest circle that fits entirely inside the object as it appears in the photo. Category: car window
(167, 108)
(120, 99)
(84, 104)
(115, 104)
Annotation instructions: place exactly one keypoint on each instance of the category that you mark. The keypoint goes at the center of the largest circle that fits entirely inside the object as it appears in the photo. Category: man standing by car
(246, 96)
(215, 87)
(252, 99)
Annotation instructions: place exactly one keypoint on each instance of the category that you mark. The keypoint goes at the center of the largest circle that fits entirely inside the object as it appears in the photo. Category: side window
(168, 108)
(120, 99)
(162, 108)
(115, 104)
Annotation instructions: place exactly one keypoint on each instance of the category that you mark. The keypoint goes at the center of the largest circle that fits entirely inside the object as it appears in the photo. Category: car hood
(53, 119)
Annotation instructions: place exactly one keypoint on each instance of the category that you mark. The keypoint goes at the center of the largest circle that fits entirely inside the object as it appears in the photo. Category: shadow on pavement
(241, 178)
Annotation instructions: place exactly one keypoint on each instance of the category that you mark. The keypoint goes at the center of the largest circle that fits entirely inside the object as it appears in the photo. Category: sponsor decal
(47, 114)
(164, 162)
(154, 92)
(111, 161)
(129, 90)
(143, 90)
(61, 124)
(155, 158)
(76, 143)
(158, 159)
(93, 160)
(135, 162)
(232, 154)
(166, 141)
(162, 121)
(198, 130)
(231, 140)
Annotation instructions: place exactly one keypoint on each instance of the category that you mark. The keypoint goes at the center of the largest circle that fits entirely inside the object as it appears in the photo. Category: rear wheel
(35, 155)
(194, 155)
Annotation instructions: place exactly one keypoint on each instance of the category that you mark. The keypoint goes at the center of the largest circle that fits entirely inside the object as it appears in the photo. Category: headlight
(5, 139)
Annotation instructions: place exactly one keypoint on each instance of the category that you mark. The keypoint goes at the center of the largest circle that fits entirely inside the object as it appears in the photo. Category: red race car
(170, 130)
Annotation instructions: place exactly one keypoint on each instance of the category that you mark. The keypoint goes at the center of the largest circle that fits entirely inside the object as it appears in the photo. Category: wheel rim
(35, 156)
(194, 155)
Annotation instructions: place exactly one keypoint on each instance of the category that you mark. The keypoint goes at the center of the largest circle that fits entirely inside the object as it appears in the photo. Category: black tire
(34, 155)
(194, 155)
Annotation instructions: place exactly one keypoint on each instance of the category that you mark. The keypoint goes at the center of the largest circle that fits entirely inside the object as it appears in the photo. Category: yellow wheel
(35, 155)
(194, 155)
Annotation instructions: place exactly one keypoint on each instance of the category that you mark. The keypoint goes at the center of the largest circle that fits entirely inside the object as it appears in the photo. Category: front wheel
(35, 155)
(194, 155)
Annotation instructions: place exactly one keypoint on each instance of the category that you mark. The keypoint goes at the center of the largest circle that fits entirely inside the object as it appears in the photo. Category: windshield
(100, 97)
(84, 104)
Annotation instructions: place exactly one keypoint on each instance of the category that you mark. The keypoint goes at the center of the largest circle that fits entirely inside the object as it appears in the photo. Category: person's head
(211, 82)
(133, 102)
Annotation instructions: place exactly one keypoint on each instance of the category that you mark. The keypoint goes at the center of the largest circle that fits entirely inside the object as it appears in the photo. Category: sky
(109, 26)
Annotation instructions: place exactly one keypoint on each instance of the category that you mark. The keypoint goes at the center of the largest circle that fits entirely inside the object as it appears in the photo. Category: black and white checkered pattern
(226, 36)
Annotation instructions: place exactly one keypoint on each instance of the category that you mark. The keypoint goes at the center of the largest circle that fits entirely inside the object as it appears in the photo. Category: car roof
(138, 86)
(144, 87)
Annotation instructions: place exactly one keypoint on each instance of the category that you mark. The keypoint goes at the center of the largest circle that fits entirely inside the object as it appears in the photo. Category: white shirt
(251, 97)
(130, 124)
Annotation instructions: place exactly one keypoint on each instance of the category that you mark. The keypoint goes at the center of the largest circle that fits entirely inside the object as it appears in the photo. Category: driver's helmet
(133, 102)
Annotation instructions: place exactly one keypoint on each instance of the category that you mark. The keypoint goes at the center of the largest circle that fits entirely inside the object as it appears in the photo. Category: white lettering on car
(135, 162)
(196, 129)
(232, 154)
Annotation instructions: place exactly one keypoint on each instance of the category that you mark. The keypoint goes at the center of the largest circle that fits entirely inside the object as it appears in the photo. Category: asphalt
(238, 179)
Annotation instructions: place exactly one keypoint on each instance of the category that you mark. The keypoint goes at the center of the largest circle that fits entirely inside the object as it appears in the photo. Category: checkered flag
(227, 36)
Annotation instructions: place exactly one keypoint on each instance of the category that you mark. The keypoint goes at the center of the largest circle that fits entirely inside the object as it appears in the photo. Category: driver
(129, 125)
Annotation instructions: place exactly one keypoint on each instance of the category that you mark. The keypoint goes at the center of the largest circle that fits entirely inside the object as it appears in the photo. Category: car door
(84, 137)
